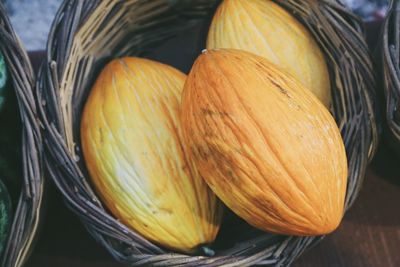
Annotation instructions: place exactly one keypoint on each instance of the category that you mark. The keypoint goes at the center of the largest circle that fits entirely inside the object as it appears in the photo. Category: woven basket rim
(390, 74)
(27, 211)
(63, 165)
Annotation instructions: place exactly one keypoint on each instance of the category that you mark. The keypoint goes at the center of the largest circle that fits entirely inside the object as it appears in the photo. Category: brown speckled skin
(265, 145)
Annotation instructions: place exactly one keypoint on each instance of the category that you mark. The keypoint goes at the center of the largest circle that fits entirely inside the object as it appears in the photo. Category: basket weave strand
(390, 76)
(27, 211)
(87, 34)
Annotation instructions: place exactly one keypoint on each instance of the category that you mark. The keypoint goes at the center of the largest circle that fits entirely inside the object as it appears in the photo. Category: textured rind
(265, 145)
(264, 28)
(131, 138)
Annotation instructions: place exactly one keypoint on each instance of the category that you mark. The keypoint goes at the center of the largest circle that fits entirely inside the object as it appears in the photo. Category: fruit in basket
(264, 143)
(5, 214)
(266, 29)
(131, 139)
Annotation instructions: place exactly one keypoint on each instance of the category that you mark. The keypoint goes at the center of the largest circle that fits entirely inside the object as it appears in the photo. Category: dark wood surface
(368, 236)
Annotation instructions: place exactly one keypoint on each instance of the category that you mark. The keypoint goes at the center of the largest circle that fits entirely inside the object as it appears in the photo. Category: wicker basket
(27, 208)
(390, 76)
(86, 34)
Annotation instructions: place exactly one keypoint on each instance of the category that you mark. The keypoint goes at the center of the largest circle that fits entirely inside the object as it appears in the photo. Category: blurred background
(32, 18)
(369, 10)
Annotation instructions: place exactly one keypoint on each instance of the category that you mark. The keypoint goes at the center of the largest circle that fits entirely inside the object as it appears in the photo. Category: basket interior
(11, 143)
(173, 32)
(178, 46)
(10, 138)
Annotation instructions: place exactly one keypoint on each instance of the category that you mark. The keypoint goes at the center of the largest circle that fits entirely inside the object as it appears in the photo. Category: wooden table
(368, 236)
